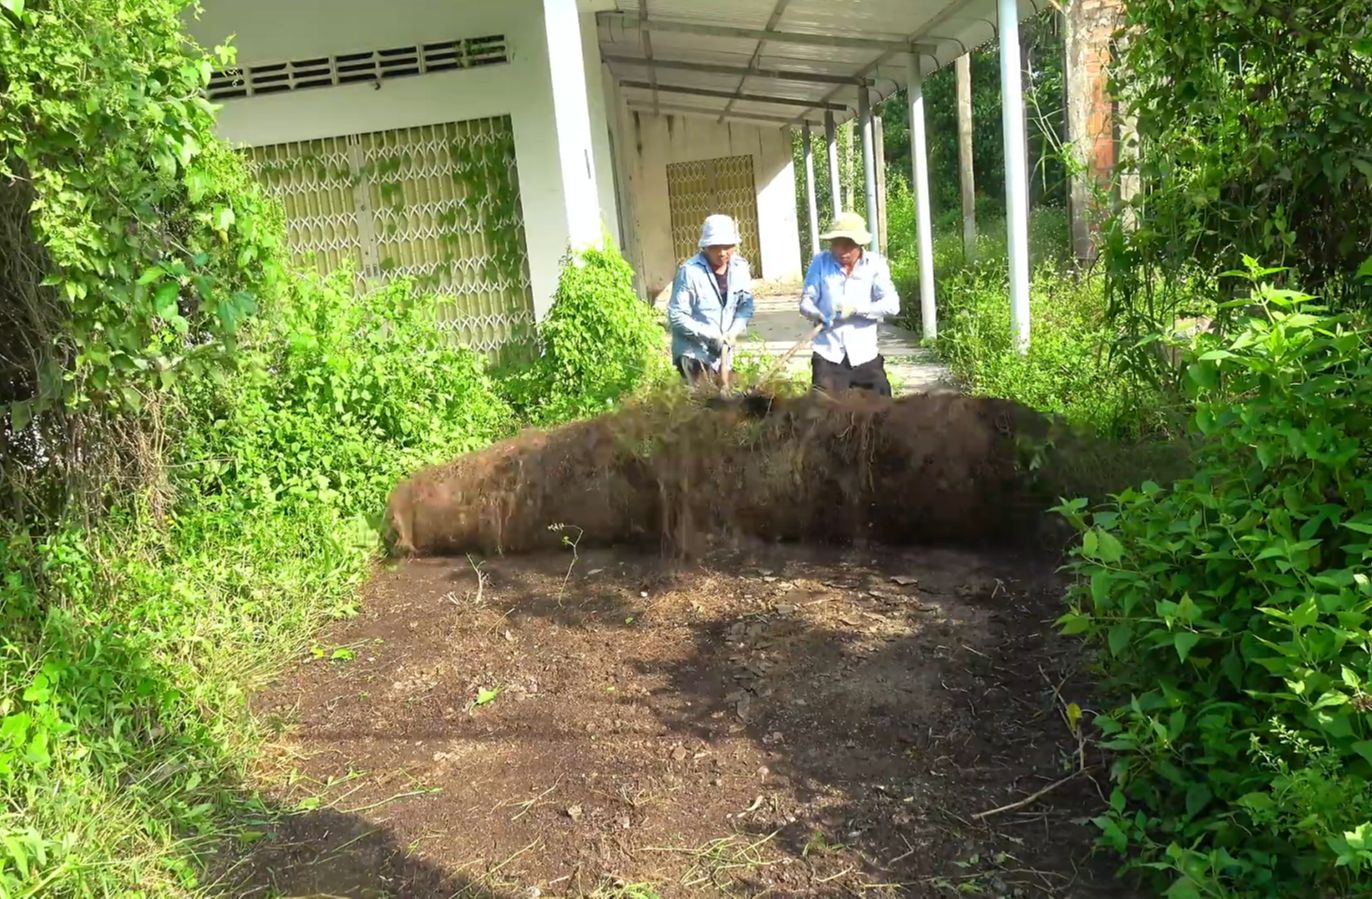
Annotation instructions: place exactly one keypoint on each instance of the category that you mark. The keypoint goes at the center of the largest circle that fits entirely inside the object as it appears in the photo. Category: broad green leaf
(21, 413)
(1185, 641)
(1119, 637)
(1260, 802)
(1111, 551)
(1197, 797)
(164, 300)
(1090, 542)
(1306, 614)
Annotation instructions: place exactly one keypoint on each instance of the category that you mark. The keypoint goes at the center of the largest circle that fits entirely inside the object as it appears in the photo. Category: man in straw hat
(848, 290)
(712, 301)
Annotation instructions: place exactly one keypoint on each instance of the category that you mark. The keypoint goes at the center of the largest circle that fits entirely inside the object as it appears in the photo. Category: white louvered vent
(350, 68)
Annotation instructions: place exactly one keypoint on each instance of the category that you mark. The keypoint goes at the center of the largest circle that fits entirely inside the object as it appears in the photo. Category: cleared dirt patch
(773, 720)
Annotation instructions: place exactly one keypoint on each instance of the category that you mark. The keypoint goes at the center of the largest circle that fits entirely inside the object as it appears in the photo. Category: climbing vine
(150, 248)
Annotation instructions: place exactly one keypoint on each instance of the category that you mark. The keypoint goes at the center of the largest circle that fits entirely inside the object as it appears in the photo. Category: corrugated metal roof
(853, 39)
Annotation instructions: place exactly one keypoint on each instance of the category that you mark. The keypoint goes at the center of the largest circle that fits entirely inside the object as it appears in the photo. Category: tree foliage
(1254, 124)
(149, 254)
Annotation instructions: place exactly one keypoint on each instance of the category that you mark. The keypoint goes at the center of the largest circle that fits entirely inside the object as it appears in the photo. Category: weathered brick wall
(1092, 116)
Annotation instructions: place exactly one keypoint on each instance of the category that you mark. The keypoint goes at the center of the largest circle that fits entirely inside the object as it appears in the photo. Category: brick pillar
(1092, 118)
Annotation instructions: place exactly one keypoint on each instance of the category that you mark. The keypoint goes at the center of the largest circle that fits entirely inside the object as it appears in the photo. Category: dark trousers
(694, 372)
(836, 377)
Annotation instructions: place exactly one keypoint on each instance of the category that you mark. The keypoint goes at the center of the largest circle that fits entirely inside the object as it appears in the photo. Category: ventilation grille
(351, 68)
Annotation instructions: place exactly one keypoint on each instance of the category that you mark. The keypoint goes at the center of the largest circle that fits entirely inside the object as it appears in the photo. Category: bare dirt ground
(769, 720)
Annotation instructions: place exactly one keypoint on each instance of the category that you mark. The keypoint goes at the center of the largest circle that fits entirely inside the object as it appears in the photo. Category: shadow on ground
(326, 853)
(837, 719)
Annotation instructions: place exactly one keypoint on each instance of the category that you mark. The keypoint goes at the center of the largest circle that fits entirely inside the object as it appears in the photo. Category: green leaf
(14, 6)
(1119, 638)
(1306, 614)
(1260, 802)
(1111, 551)
(1185, 641)
(1197, 798)
(486, 697)
(164, 300)
(21, 413)
(1074, 623)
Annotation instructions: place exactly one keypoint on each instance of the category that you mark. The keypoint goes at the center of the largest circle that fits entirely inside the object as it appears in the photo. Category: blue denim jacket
(698, 314)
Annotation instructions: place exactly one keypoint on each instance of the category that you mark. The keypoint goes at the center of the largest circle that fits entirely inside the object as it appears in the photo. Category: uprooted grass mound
(917, 469)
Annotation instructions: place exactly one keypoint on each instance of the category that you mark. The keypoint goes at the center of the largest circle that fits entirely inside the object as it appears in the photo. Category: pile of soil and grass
(914, 470)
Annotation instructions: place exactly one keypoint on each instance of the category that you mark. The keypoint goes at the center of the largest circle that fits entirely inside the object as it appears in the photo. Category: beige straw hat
(849, 225)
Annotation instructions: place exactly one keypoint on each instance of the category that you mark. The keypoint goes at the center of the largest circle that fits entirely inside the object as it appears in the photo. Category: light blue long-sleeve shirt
(699, 315)
(869, 290)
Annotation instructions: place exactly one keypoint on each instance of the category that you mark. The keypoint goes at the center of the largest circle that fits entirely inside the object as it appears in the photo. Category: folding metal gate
(706, 187)
(438, 203)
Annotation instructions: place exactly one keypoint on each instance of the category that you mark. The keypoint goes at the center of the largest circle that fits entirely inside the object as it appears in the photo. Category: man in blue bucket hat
(712, 302)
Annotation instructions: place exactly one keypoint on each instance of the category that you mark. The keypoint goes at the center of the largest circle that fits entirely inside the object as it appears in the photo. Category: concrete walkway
(777, 325)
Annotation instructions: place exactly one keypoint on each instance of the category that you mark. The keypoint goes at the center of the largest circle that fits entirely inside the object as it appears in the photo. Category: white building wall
(625, 150)
(557, 177)
(650, 143)
(596, 75)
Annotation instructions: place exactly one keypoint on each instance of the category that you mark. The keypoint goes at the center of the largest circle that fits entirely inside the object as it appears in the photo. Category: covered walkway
(813, 64)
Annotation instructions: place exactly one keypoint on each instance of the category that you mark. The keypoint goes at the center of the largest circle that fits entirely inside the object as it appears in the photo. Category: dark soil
(670, 472)
(773, 720)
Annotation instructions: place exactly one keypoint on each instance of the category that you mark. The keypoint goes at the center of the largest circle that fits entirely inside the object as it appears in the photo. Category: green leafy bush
(129, 648)
(152, 252)
(332, 377)
(1070, 369)
(1254, 128)
(600, 342)
(1231, 612)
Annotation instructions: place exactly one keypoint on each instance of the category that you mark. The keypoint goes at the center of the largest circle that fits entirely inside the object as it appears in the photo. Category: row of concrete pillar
(1016, 178)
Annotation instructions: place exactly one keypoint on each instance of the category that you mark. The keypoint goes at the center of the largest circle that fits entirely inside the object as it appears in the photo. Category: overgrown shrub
(1254, 124)
(129, 648)
(1070, 369)
(1231, 612)
(153, 254)
(600, 342)
(333, 376)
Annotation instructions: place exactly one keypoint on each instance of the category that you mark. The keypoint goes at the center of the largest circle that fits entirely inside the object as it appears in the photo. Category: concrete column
(1016, 170)
(924, 228)
(835, 182)
(812, 204)
(572, 122)
(879, 143)
(1091, 117)
(869, 164)
(967, 181)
